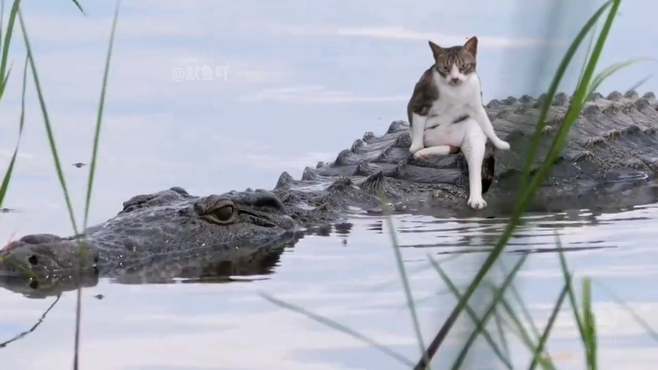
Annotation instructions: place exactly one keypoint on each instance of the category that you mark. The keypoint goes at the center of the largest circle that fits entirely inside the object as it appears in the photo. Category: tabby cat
(446, 113)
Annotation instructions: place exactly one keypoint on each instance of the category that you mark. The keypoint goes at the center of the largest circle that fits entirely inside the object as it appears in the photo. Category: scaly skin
(163, 235)
(609, 161)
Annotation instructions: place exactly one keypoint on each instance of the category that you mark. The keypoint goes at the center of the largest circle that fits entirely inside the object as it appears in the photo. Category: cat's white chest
(445, 111)
(454, 103)
(444, 107)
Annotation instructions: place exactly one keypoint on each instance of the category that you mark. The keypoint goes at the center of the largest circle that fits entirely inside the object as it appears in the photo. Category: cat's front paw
(502, 145)
(415, 148)
(476, 202)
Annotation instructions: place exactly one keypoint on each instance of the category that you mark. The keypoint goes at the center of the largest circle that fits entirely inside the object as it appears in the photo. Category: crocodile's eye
(224, 213)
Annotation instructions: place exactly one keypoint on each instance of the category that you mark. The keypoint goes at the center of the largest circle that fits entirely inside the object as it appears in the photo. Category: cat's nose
(455, 80)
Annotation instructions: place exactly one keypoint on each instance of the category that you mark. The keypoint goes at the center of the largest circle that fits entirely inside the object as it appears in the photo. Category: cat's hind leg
(473, 148)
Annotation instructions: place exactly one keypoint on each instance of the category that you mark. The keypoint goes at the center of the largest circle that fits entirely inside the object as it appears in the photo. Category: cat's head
(455, 64)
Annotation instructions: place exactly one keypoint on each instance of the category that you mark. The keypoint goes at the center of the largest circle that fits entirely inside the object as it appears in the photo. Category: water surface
(305, 80)
(351, 276)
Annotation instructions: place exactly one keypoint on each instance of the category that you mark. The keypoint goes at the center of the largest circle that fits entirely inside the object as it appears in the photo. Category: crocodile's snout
(46, 258)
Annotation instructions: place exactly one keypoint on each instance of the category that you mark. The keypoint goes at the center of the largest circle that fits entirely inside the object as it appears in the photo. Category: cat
(446, 114)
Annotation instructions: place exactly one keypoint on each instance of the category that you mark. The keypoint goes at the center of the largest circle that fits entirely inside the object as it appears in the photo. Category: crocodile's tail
(488, 166)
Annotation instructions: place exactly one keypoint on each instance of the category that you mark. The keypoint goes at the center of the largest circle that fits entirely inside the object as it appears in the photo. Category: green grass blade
(92, 170)
(498, 294)
(4, 80)
(339, 327)
(77, 4)
(403, 273)
(587, 54)
(574, 109)
(572, 113)
(572, 296)
(99, 117)
(527, 193)
(639, 83)
(58, 166)
(49, 130)
(7, 43)
(5, 181)
(411, 271)
(612, 70)
(2, 18)
(552, 90)
(523, 335)
(547, 330)
(589, 324)
(34, 327)
(7, 178)
(522, 305)
(469, 311)
(501, 332)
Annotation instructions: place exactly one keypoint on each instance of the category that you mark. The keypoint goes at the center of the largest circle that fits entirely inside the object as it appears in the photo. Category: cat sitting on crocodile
(446, 114)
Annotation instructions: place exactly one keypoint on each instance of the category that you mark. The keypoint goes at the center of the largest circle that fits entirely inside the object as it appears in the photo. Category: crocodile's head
(170, 224)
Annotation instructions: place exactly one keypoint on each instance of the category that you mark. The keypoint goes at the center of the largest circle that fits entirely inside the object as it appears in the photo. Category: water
(351, 276)
(305, 79)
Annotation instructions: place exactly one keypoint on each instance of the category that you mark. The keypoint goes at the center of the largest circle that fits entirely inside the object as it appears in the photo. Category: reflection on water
(347, 272)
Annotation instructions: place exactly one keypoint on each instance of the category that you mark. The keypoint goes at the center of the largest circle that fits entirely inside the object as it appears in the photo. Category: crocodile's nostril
(33, 260)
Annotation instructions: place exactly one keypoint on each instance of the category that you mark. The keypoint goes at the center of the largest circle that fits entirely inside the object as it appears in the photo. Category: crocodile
(609, 161)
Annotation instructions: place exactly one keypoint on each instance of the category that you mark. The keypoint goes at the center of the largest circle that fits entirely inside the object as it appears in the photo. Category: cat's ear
(436, 49)
(471, 45)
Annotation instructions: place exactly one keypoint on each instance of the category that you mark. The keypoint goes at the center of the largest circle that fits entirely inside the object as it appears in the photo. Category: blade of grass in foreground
(5, 47)
(547, 330)
(552, 90)
(34, 327)
(339, 327)
(480, 325)
(77, 4)
(99, 117)
(589, 325)
(587, 54)
(58, 167)
(498, 294)
(572, 297)
(527, 192)
(523, 335)
(612, 70)
(49, 129)
(2, 18)
(501, 332)
(5, 181)
(7, 178)
(90, 181)
(576, 106)
(524, 308)
(403, 273)
(639, 83)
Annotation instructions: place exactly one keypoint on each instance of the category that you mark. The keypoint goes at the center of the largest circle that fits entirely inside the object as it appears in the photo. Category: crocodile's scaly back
(610, 148)
(609, 161)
